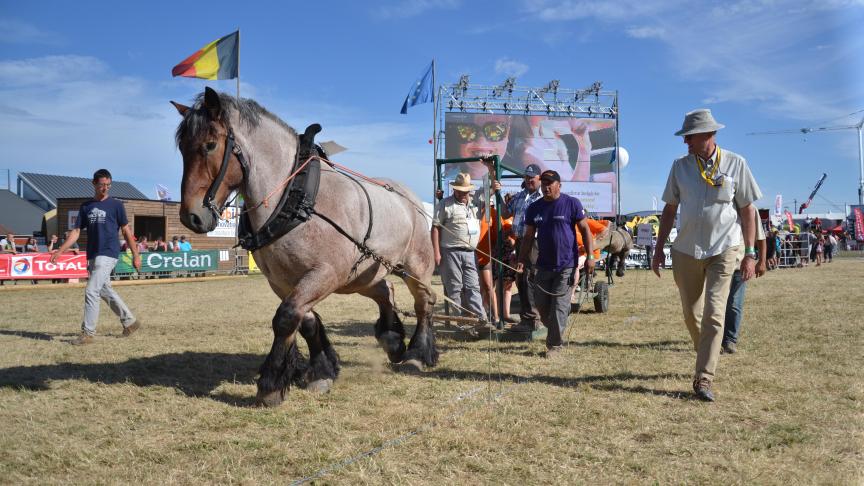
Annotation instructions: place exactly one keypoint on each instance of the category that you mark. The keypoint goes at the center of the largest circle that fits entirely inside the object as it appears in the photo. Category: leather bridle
(231, 147)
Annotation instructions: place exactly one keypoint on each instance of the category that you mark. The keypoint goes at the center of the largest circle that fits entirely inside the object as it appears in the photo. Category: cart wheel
(601, 297)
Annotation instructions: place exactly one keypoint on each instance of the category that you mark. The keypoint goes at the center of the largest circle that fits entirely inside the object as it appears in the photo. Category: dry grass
(172, 404)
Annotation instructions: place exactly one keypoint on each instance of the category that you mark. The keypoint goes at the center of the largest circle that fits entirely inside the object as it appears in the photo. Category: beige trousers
(704, 288)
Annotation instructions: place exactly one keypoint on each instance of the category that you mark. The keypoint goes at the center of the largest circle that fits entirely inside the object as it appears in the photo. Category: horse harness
(297, 203)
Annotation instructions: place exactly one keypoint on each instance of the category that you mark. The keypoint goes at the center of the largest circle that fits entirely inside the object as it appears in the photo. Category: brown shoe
(131, 328)
(82, 339)
(554, 352)
(702, 390)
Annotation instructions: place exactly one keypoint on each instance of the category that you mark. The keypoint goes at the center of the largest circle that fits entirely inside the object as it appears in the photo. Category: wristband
(750, 249)
(590, 257)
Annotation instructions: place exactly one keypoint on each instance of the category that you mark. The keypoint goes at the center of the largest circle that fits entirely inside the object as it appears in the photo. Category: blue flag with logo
(421, 91)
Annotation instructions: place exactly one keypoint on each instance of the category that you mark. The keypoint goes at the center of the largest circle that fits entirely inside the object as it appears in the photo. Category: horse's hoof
(270, 400)
(409, 366)
(320, 386)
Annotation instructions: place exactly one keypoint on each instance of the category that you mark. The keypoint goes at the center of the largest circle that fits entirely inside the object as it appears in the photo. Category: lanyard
(709, 178)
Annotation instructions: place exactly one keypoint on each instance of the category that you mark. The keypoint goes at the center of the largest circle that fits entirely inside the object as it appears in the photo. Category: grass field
(173, 403)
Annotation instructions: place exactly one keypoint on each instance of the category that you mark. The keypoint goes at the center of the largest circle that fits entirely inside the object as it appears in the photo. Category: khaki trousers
(704, 288)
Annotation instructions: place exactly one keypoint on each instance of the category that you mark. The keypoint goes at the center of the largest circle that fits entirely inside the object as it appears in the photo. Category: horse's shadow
(194, 374)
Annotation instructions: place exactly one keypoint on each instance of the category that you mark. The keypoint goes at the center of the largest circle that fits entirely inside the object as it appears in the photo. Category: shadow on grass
(194, 374)
(38, 336)
(598, 382)
(668, 345)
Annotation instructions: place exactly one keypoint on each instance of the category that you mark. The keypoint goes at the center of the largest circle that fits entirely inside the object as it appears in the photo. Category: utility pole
(859, 126)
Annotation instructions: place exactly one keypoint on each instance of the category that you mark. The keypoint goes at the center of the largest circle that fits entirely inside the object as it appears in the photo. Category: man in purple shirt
(554, 220)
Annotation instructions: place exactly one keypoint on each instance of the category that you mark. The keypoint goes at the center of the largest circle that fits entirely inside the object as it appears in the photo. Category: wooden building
(154, 219)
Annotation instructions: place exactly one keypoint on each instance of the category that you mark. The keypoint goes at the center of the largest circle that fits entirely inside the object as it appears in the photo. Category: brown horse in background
(314, 259)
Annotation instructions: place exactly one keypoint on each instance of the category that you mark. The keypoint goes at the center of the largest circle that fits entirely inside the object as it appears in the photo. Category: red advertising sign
(789, 220)
(39, 266)
(859, 224)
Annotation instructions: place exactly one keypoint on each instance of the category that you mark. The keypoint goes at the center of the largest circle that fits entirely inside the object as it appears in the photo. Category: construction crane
(806, 203)
(858, 127)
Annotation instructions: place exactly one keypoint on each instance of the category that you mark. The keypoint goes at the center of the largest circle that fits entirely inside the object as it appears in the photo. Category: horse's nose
(194, 221)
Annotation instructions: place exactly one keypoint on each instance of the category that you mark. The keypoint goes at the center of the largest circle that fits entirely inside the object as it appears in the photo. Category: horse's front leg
(285, 363)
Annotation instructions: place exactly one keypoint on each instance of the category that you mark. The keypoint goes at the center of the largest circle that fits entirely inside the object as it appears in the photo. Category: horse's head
(211, 169)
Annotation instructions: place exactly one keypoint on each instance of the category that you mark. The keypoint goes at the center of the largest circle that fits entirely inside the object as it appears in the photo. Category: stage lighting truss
(507, 98)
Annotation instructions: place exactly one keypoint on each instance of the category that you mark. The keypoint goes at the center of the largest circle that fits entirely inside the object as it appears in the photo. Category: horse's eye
(210, 146)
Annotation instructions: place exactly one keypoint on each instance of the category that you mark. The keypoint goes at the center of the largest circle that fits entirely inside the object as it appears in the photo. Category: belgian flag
(219, 59)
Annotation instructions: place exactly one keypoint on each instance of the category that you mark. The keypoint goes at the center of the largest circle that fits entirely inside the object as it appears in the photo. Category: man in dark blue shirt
(103, 217)
(554, 220)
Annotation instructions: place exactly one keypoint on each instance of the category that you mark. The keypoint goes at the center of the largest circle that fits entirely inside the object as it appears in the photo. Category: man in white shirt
(455, 234)
(711, 186)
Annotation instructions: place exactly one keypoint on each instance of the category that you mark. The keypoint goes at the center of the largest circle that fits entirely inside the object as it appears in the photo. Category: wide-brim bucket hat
(462, 182)
(698, 121)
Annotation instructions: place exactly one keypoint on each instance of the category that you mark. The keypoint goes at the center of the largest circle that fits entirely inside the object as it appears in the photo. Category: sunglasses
(493, 131)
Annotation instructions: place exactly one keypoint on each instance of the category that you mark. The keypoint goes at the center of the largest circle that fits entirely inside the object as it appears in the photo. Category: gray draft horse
(313, 260)
(617, 242)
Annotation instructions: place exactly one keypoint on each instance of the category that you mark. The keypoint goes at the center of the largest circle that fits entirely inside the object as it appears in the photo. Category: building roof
(19, 216)
(53, 187)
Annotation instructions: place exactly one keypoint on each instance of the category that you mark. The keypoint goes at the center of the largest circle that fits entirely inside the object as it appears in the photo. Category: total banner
(39, 266)
(195, 260)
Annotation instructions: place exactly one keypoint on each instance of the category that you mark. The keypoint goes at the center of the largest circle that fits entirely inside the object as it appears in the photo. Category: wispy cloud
(510, 67)
(766, 59)
(17, 32)
(413, 8)
(646, 32)
(49, 70)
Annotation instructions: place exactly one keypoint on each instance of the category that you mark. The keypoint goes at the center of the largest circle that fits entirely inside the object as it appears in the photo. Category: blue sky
(85, 85)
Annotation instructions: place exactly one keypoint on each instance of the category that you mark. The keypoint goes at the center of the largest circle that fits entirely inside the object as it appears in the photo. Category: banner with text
(596, 197)
(195, 260)
(38, 266)
(226, 227)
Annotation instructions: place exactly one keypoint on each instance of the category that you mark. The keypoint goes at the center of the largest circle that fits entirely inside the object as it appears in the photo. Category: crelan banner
(195, 260)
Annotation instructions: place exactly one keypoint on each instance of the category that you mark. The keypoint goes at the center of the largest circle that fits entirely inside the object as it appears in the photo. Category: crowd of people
(177, 243)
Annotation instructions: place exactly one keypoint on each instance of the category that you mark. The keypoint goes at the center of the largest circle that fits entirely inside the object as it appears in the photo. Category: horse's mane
(196, 122)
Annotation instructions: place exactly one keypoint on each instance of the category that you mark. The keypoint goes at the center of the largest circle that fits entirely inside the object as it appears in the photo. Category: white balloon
(623, 157)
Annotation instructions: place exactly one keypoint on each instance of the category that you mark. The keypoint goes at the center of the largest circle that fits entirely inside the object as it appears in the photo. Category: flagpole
(434, 115)
(238, 64)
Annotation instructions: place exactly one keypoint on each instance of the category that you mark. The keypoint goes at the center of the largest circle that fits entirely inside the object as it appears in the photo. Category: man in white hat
(712, 187)
(455, 234)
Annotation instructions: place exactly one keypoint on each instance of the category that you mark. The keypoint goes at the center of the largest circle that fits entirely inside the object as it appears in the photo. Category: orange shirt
(596, 227)
(484, 244)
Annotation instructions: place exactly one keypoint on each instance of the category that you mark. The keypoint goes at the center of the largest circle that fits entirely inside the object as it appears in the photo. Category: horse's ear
(182, 109)
(212, 103)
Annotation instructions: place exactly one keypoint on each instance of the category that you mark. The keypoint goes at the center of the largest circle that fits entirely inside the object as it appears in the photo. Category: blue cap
(533, 170)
